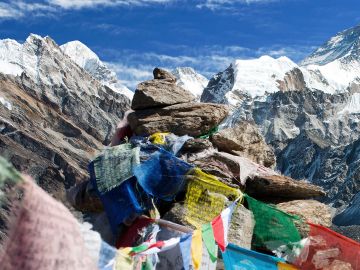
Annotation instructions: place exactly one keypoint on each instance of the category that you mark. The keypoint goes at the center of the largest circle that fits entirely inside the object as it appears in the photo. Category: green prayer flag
(209, 241)
(140, 248)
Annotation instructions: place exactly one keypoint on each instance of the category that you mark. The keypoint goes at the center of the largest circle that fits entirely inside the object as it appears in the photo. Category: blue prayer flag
(185, 248)
(238, 258)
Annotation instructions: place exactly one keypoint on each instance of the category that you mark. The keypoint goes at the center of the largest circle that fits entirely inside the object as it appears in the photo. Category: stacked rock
(161, 106)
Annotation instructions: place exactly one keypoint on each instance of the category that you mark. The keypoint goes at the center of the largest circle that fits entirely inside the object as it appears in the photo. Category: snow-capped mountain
(88, 60)
(190, 80)
(260, 77)
(345, 45)
(309, 113)
(338, 60)
(54, 115)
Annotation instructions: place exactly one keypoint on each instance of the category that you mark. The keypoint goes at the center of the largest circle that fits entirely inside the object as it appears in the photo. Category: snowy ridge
(259, 76)
(190, 80)
(262, 76)
(88, 60)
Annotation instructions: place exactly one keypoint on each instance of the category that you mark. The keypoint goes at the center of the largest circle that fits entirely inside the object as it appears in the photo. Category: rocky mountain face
(308, 113)
(54, 115)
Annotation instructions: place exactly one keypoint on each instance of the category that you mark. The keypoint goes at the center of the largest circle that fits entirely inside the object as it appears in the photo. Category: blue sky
(133, 36)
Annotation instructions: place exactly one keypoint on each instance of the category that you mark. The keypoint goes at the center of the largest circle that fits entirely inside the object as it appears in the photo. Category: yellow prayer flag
(158, 137)
(206, 197)
(196, 249)
(123, 260)
(285, 266)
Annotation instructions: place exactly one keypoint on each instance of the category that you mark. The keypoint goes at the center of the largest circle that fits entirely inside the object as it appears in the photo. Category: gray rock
(244, 140)
(193, 119)
(159, 93)
(241, 227)
(161, 74)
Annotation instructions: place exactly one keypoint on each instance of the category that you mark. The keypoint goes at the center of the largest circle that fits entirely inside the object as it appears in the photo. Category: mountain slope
(88, 60)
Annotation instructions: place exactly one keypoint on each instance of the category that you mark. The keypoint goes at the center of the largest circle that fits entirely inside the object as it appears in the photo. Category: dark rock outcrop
(193, 119)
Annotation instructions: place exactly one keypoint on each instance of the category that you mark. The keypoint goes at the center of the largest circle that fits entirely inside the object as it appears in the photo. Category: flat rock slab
(193, 119)
(159, 93)
(281, 188)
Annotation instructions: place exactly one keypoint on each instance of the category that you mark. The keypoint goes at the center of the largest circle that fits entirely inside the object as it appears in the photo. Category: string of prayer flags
(273, 227)
(236, 257)
(113, 166)
(162, 175)
(327, 249)
(185, 249)
(209, 241)
(220, 226)
(206, 197)
(196, 249)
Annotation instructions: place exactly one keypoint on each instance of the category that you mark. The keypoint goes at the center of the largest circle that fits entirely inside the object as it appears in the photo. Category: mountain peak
(190, 80)
(79, 52)
(344, 45)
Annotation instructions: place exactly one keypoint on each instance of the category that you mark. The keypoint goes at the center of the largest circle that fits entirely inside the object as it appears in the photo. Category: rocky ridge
(56, 115)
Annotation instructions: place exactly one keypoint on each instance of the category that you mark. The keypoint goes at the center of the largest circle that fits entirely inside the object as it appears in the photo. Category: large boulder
(244, 140)
(309, 210)
(193, 119)
(159, 93)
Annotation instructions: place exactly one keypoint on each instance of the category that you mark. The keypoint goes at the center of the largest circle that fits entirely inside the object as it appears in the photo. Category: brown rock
(231, 169)
(161, 74)
(310, 210)
(193, 119)
(281, 188)
(159, 93)
(244, 140)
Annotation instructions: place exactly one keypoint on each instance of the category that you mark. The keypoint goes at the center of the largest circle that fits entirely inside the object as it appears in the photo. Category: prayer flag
(196, 249)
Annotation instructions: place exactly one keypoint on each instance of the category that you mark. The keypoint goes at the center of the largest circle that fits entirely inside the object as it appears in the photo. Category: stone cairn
(232, 154)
